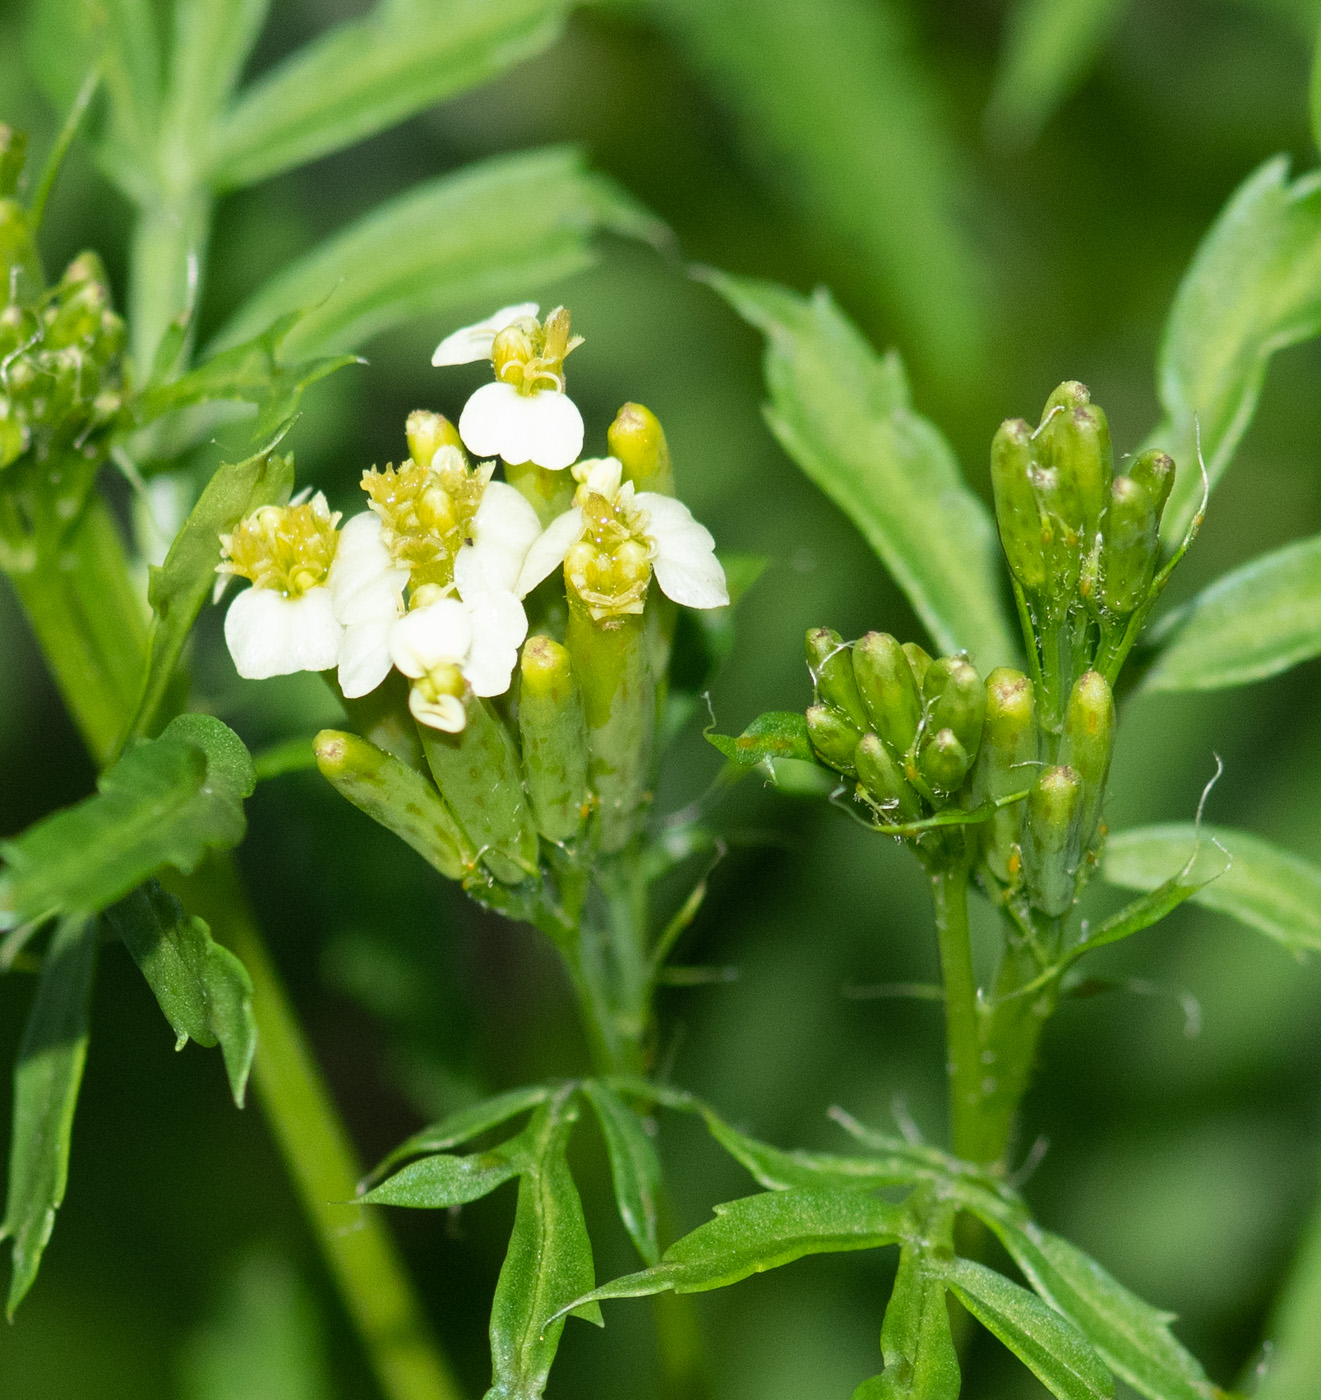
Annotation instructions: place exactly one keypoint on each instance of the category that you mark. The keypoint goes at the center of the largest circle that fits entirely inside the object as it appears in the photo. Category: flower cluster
(431, 578)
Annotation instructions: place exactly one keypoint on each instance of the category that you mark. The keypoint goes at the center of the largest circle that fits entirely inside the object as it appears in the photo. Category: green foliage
(439, 1182)
(1268, 889)
(634, 1167)
(166, 802)
(845, 416)
(779, 734)
(47, 1076)
(1253, 622)
(203, 989)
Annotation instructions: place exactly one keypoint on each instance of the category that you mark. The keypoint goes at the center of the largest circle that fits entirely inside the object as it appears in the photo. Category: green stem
(316, 1149)
(949, 888)
(169, 249)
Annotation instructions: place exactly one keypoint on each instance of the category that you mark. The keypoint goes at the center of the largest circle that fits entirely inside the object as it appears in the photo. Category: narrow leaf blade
(634, 1168)
(442, 1181)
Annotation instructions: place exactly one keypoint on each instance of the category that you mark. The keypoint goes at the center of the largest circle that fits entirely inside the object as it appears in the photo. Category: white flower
(368, 591)
(269, 634)
(543, 426)
(474, 342)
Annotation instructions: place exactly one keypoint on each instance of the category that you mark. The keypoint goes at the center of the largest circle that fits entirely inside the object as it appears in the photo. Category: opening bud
(1016, 510)
(427, 433)
(554, 739)
(1051, 840)
(833, 738)
(1004, 764)
(1087, 744)
(637, 439)
(888, 688)
(882, 783)
(830, 660)
(1129, 545)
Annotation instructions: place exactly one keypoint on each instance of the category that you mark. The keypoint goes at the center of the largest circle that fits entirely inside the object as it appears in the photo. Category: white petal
(474, 342)
(685, 564)
(436, 635)
(271, 635)
(548, 550)
(499, 626)
(364, 656)
(364, 580)
(444, 712)
(503, 531)
(491, 420)
(554, 430)
(603, 475)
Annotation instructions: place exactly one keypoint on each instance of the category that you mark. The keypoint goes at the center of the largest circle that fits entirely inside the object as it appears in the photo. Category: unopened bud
(920, 660)
(1004, 763)
(1154, 469)
(884, 783)
(1069, 395)
(888, 689)
(637, 439)
(1051, 841)
(833, 737)
(1129, 545)
(943, 761)
(79, 318)
(1016, 510)
(554, 735)
(1088, 742)
(830, 660)
(1081, 452)
(1061, 532)
(956, 700)
(427, 433)
(86, 267)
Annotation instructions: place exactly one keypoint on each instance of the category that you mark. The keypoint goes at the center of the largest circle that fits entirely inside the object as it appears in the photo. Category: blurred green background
(999, 264)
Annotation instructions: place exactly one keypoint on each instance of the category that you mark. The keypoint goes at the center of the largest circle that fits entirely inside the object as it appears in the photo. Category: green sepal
(830, 660)
(1155, 470)
(1009, 748)
(1129, 545)
(1087, 744)
(833, 738)
(1079, 447)
(889, 689)
(637, 439)
(955, 700)
(943, 761)
(884, 781)
(1052, 840)
(554, 739)
(1061, 534)
(1016, 510)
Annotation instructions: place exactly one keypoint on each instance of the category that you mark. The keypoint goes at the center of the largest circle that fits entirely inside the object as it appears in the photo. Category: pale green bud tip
(637, 439)
(833, 737)
(1155, 470)
(1009, 699)
(1070, 394)
(944, 761)
(427, 433)
(830, 660)
(888, 687)
(884, 783)
(1053, 804)
(547, 669)
(332, 752)
(1092, 705)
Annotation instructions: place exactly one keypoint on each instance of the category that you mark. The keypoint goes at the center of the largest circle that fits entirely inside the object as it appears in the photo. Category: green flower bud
(427, 433)
(554, 735)
(86, 267)
(1129, 545)
(1004, 765)
(477, 772)
(1061, 531)
(610, 660)
(13, 155)
(1155, 470)
(956, 700)
(1017, 512)
(943, 761)
(1051, 840)
(398, 797)
(888, 690)
(919, 660)
(79, 317)
(833, 738)
(830, 660)
(1080, 451)
(883, 782)
(637, 439)
(1069, 395)
(1088, 742)
(20, 265)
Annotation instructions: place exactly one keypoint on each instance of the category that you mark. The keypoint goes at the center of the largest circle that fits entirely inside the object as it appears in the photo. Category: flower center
(530, 354)
(610, 566)
(287, 548)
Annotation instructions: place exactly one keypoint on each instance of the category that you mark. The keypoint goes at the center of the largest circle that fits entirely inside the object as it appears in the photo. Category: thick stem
(949, 888)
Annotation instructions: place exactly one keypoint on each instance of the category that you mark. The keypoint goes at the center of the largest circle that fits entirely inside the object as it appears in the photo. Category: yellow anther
(287, 548)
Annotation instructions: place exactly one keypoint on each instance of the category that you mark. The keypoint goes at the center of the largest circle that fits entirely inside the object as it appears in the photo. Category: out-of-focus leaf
(212, 42)
(181, 585)
(1132, 1337)
(166, 802)
(634, 1167)
(1295, 1355)
(1045, 1341)
(1049, 47)
(46, 1079)
(1253, 287)
(834, 101)
(467, 1123)
(436, 1183)
(484, 234)
(762, 1232)
(549, 1263)
(1253, 622)
(776, 734)
(367, 74)
(203, 989)
(844, 414)
(1267, 889)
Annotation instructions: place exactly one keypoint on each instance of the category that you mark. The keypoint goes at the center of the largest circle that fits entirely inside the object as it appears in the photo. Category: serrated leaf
(181, 585)
(203, 989)
(1264, 887)
(549, 1264)
(1255, 621)
(776, 734)
(482, 235)
(1253, 287)
(844, 414)
(166, 802)
(47, 1076)
(467, 1123)
(1132, 1337)
(442, 1181)
(367, 74)
(1045, 1341)
(635, 1167)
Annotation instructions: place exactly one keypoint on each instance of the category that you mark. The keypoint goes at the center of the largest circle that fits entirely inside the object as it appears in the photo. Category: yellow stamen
(288, 548)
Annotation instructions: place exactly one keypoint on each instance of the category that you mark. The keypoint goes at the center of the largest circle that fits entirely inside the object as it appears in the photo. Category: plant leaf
(1045, 1341)
(1253, 287)
(46, 1080)
(368, 74)
(634, 1167)
(482, 235)
(181, 585)
(436, 1183)
(844, 414)
(776, 734)
(1132, 1337)
(1266, 888)
(166, 802)
(1253, 622)
(203, 989)
(212, 42)
(549, 1263)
